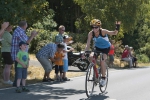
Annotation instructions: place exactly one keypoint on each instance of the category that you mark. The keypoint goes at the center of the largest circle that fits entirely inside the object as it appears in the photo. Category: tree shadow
(76, 71)
(40, 91)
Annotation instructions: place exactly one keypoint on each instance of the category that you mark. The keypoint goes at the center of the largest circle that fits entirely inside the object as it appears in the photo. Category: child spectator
(59, 63)
(23, 63)
(65, 59)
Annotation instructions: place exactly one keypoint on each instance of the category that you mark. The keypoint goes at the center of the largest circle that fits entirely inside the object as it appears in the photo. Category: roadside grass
(35, 74)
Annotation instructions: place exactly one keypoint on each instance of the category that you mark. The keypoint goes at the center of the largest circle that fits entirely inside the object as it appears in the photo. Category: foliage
(139, 37)
(142, 58)
(79, 37)
(108, 11)
(16, 10)
(44, 37)
(78, 46)
(46, 22)
(66, 13)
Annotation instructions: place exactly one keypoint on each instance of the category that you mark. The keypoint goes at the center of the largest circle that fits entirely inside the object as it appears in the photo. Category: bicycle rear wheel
(89, 81)
(103, 88)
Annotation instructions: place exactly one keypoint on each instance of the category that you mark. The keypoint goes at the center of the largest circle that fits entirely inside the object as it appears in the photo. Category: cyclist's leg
(103, 65)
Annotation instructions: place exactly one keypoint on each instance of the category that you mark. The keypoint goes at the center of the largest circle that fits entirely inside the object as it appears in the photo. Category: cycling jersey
(101, 41)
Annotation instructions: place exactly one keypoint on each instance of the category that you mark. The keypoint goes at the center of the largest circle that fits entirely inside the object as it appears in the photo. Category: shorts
(7, 58)
(46, 64)
(111, 58)
(65, 66)
(58, 69)
(104, 50)
(21, 73)
(134, 59)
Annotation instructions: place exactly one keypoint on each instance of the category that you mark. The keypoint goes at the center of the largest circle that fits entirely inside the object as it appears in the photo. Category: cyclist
(101, 42)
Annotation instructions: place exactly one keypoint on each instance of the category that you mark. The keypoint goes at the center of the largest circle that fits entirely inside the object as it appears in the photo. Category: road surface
(124, 84)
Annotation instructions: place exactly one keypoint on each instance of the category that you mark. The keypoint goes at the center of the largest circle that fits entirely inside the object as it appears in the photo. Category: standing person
(3, 27)
(65, 59)
(6, 54)
(111, 54)
(18, 36)
(126, 55)
(59, 36)
(101, 43)
(22, 65)
(59, 63)
(45, 56)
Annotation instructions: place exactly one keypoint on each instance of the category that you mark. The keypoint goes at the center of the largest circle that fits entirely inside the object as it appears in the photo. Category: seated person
(134, 59)
(126, 57)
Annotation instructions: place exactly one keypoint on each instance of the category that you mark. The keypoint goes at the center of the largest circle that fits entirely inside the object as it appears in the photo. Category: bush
(78, 46)
(142, 58)
(44, 37)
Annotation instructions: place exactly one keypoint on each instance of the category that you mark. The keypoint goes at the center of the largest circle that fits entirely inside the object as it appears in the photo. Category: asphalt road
(127, 84)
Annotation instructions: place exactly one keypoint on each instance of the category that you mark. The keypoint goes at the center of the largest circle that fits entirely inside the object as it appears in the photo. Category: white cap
(126, 46)
(131, 47)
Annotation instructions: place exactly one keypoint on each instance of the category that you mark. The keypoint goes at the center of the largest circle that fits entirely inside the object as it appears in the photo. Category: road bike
(93, 75)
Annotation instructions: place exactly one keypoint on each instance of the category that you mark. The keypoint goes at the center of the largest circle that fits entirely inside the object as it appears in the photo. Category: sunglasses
(95, 27)
(62, 30)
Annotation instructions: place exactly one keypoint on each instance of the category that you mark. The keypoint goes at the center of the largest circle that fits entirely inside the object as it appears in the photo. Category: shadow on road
(96, 97)
(42, 91)
(75, 71)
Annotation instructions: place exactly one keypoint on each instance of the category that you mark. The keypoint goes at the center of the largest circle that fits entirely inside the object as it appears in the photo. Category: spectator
(3, 27)
(125, 56)
(18, 36)
(43, 56)
(23, 63)
(65, 59)
(6, 54)
(111, 54)
(132, 55)
(59, 37)
(59, 63)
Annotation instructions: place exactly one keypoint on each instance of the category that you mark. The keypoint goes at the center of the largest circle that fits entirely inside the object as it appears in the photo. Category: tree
(66, 13)
(108, 11)
(15, 10)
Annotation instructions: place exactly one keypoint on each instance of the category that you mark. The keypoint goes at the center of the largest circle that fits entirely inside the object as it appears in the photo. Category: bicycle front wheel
(89, 82)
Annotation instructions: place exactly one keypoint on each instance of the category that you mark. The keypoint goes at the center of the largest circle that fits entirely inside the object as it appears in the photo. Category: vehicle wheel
(89, 81)
(84, 65)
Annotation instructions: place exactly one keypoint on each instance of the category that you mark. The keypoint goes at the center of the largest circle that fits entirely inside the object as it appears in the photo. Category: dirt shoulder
(35, 73)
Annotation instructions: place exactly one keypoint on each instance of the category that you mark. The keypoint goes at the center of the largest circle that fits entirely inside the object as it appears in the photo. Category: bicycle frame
(94, 61)
(95, 69)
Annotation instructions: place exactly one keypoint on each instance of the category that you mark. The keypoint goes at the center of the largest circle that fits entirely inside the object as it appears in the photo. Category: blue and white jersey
(101, 42)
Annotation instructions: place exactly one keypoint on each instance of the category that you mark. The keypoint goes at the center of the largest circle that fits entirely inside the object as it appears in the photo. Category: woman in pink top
(126, 57)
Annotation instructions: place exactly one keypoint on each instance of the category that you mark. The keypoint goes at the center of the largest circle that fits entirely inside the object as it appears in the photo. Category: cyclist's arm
(88, 41)
(104, 31)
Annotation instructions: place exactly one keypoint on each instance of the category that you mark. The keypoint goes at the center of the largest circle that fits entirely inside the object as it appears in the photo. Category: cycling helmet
(95, 22)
